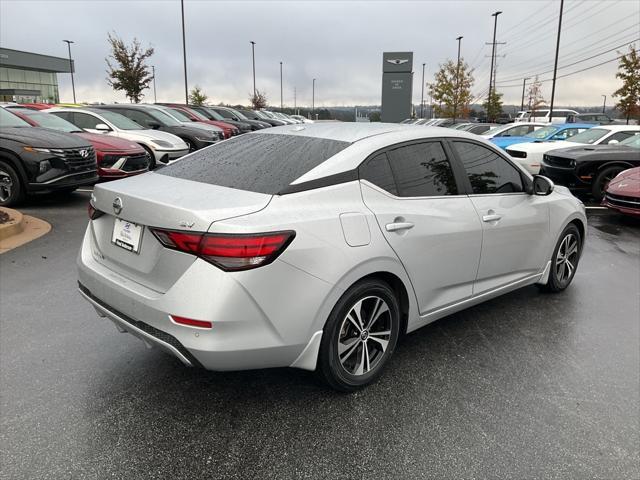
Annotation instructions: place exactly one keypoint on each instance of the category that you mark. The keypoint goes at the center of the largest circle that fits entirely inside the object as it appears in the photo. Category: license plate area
(127, 235)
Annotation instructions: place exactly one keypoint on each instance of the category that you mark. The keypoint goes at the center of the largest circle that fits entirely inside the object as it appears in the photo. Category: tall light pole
(457, 96)
(184, 55)
(73, 84)
(295, 101)
(604, 102)
(555, 64)
(422, 97)
(253, 59)
(313, 99)
(524, 82)
(493, 57)
(281, 101)
(153, 69)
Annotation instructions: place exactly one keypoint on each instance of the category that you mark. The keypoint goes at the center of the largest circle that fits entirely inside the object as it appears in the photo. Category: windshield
(196, 114)
(239, 115)
(120, 121)
(224, 113)
(589, 136)
(633, 142)
(543, 132)
(10, 120)
(163, 118)
(178, 115)
(47, 120)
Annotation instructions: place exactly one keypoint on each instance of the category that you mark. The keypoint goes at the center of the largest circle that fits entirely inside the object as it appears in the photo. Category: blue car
(560, 131)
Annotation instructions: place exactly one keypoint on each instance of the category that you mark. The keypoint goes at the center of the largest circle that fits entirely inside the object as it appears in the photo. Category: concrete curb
(22, 229)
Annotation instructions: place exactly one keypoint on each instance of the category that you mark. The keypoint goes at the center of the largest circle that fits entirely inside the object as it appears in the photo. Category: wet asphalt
(525, 386)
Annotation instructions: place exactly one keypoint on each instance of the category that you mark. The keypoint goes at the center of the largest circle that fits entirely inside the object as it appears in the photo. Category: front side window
(589, 136)
(621, 136)
(120, 121)
(422, 170)
(487, 171)
(378, 171)
(138, 116)
(566, 133)
(84, 120)
(543, 132)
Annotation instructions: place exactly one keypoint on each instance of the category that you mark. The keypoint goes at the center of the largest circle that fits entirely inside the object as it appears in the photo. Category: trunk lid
(152, 200)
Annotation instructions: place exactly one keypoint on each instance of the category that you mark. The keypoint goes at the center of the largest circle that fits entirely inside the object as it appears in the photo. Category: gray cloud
(338, 42)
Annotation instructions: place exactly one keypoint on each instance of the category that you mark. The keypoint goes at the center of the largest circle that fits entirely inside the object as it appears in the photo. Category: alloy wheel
(6, 186)
(365, 333)
(567, 258)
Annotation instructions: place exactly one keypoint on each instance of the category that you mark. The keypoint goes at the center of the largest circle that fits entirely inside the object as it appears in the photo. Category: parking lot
(528, 385)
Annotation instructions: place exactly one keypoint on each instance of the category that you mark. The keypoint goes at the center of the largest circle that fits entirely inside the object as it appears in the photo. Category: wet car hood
(108, 143)
(43, 137)
(599, 152)
(626, 184)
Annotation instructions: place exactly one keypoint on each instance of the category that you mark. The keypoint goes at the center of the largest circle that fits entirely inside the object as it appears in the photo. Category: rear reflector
(191, 322)
(230, 252)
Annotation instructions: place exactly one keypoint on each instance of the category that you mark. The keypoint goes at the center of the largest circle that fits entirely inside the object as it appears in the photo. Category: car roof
(618, 128)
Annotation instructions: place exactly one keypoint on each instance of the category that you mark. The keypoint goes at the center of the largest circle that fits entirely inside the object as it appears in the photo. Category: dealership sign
(397, 82)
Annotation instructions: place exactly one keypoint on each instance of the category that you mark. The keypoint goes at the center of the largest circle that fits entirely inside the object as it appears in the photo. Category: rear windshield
(263, 163)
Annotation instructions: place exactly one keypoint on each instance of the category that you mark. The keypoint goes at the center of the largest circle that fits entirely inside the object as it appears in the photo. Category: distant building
(30, 77)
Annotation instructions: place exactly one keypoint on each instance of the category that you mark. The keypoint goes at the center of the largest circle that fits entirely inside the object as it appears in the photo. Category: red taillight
(191, 322)
(93, 212)
(229, 252)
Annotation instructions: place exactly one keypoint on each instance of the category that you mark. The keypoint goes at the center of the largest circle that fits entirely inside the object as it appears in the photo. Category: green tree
(259, 100)
(536, 99)
(130, 74)
(197, 96)
(629, 94)
(375, 117)
(493, 105)
(451, 89)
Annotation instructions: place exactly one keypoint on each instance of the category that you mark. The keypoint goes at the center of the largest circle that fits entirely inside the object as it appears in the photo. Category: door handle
(394, 227)
(493, 217)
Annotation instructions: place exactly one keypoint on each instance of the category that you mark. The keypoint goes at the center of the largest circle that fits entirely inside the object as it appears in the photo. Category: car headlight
(162, 143)
(36, 149)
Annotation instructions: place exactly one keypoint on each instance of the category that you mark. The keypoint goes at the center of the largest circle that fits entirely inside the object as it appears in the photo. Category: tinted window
(422, 170)
(620, 136)
(378, 172)
(84, 120)
(261, 163)
(488, 172)
(137, 116)
(566, 133)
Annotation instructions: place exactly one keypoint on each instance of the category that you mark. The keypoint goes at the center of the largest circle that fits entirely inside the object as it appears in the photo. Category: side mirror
(542, 185)
(154, 125)
(102, 127)
(612, 142)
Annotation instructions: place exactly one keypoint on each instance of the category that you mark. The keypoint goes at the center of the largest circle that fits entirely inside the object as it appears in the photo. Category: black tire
(557, 281)
(350, 373)
(602, 180)
(190, 145)
(152, 157)
(11, 188)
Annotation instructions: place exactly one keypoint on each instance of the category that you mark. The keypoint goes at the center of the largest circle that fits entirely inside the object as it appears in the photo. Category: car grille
(133, 163)
(76, 159)
(558, 161)
(517, 154)
(622, 201)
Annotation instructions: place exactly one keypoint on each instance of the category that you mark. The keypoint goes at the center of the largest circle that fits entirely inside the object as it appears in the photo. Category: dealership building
(30, 77)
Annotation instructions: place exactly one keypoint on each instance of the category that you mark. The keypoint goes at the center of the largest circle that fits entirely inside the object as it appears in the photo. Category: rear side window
(422, 170)
(487, 171)
(378, 172)
(263, 163)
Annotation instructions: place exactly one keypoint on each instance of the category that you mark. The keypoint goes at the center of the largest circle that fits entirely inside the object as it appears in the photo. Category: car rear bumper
(251, 329)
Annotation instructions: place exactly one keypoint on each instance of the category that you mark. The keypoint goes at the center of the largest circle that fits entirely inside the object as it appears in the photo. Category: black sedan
(590, 168)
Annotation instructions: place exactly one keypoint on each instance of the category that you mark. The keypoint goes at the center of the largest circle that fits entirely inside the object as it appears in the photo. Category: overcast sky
(338, 42)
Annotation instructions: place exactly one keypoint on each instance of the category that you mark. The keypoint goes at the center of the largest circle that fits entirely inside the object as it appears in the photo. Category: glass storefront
(44, 82)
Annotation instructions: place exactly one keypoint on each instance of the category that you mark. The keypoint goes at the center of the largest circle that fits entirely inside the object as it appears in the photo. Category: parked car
(276, 117)
(163, 147)
(529, 155)
(187, 116)
(245, 125)
(301, 118)
(504, 118)
(34, 160)
(116, 158)
(598, 118)
(154, 118)
(591, 168)
(234, 115)
(549, 132)
(255, 115)
(477, 128)
(542, 115)
(443, 122)
(323, 245)
(623, 192)
(512, 130)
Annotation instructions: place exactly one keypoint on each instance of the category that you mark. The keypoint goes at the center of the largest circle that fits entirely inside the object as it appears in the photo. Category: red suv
(116, 158)
(228, 129)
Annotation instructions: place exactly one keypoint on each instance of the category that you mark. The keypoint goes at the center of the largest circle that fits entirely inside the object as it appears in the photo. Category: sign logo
(117, 205)
(397, 61)
(84, 153)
